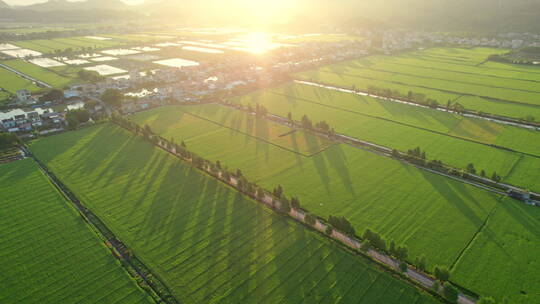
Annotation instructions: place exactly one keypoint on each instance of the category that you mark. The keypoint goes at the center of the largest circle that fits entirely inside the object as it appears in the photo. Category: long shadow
(338, 160)
(443, 187)
(527, 216)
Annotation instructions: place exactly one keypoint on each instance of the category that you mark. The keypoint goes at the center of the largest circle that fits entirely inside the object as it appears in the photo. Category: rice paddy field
(48, 76)
(48, 253)
(207, 242)
(432, 215)
(372, 191)
(11, 82)
(508, 245)
(458, 75)
(454, 139)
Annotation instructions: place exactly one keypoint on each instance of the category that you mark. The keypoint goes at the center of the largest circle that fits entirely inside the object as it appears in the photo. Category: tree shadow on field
(338, 160)
(98, 148)
(527, 216)
(451, 197)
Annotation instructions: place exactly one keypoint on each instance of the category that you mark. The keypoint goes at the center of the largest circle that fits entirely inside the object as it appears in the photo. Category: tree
(483, 173)
(342, 224)
(284, 206)
(403, 267)
(365, 246)
(310, 219)
(329, 230)
(420, 262)
(90, 76)
(239, 173)
(470, 168)
(278, 191)
(495, 177)
(295, 203)
(392, 248)
(260, 193)
(75, 117)
(402, 252)
(442, 273)
(218, 164)
(8, 140)
(54, 95)
(450, 292)
(112, 97)
(289, 116)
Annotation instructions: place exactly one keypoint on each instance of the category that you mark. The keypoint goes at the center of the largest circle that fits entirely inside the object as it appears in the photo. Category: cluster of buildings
(21, 121)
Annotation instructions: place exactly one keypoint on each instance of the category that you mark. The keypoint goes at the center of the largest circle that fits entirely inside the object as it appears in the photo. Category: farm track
(440, 90)
(26, 76)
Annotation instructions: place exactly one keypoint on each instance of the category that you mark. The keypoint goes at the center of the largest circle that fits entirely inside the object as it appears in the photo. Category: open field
(46, 75)
(207, 242)
(454, 139)
(12, 82)
(200, 120)
(509, 246)
(432, 215)
(371, 191)
(444, 74)
(48, 253)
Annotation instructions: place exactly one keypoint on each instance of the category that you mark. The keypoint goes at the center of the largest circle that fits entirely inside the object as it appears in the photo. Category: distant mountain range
(444, 15)
(64, 5)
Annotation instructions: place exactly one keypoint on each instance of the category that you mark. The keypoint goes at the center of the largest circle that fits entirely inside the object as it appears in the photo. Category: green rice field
(11, 82)
(508, 246)
(48, 254)
(206, 241)
(48, 76)
(344, 181)
(458, 75)
(430, 214)
(454, 139)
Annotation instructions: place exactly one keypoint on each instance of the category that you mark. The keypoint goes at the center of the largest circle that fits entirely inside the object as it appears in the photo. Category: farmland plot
(509, 246)
(444, 74)
(432, 215)
(443, 136)
(12, 82)
(372, 191)
(48, 253)
(39, 73)
(207, 242)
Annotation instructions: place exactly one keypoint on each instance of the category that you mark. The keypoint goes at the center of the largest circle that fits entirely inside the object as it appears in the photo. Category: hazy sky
(26, 2)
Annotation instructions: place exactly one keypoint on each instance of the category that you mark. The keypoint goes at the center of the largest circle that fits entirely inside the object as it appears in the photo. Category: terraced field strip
(48, 253)
(454, 139)
(206, 241)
